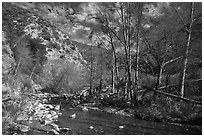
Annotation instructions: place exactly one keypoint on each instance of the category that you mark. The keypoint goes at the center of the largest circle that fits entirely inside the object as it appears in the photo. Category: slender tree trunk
(115, 67)
(187, 52)
(116, 72)
(159, 76)
(167, 82)
(101, 79)
(91, 75)
(113, 73)
(129, 56)
(124, 31)
(139, 16)
(117, 76)
(128, 41)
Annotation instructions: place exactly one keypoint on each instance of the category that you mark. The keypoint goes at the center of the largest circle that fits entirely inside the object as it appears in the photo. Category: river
(95, 122)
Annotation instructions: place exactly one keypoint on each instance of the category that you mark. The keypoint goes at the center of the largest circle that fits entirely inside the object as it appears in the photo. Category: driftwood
(6, 99)
(171, 95)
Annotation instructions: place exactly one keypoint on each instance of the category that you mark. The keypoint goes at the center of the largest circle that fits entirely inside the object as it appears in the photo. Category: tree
(189, 30)
(160, 40)
(91, 67)
(139, 17)
(122, 28)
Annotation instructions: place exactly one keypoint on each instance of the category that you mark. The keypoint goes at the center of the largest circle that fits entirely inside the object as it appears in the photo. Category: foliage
(35, 55)
(38, 51)
(13, 87)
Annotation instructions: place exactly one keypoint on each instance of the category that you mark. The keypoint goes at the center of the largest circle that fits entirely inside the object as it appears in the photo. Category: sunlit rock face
(41, 51)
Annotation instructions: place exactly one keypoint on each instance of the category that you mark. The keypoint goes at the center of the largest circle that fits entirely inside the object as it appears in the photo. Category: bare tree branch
(182, 20)
(170, 61)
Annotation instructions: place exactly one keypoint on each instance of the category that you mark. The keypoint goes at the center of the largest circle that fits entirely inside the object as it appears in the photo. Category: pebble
(73, 116)
(65, 129)
(48, 122)
(45, 101)
(57, 107)
(121, 127)
(30, 119)
(50, 106)
(91, 127)
(24, 128)
(55, 117)
(55, 132)
(85, 109)
(48, 116)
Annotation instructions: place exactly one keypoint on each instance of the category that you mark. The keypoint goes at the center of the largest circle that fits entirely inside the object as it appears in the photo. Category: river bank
(60, 115)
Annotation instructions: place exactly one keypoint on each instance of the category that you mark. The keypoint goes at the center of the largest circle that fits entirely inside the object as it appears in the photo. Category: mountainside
(41, 51)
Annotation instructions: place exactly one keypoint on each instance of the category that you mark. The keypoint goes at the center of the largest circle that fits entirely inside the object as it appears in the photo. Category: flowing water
(95, 122)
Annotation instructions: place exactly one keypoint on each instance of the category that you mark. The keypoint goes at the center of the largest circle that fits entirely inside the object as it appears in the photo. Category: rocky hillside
(40, 50)
(36, 57)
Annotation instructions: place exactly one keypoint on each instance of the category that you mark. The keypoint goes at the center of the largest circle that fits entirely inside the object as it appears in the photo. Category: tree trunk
(101, 79)
(187, 52)
(128, 41)
(113, 73)
(124, 31)
(117, 76)
(115, 67)
(159, 76)
(167, 82)
(139, 15)
(91, 75)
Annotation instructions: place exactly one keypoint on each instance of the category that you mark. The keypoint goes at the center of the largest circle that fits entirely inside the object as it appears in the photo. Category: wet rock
(85, 109)
(24, 128)
(55, 117)
(22, 116)
(49, 106)
(121, 127)
(55, 132)
(55, 126)
(57, 108)
(65, 129)
(73, 116)
(91, 127)
(122, 112)
(45, 100)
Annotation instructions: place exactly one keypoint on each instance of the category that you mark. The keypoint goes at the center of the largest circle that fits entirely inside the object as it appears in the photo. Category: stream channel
(96, 122)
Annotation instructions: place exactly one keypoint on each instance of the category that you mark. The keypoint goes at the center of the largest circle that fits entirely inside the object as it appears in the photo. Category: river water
(95, 122)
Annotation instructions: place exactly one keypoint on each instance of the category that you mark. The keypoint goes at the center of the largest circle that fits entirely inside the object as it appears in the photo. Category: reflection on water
(97, 122)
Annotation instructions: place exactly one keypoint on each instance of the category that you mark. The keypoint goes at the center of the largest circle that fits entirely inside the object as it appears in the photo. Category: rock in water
(73, 116)
(24, 128)
(55, 132)
(48, 122)
(64, 129)
(121, 127)
(85, 109)
(57, 108)
(91, 127)
(55, 117)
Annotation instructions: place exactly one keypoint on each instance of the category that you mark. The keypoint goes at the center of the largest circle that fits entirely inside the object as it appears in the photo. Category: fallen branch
(19, 40)
(171, 95)
(6, 99)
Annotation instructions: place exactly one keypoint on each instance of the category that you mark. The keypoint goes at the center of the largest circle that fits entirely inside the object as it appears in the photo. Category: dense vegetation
(146, 57)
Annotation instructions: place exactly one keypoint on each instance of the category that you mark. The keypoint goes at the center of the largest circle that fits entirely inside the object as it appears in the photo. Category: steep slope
(41, 51)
